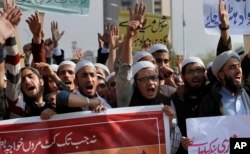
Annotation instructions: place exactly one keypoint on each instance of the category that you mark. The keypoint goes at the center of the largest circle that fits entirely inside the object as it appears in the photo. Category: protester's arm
(47, 114)
(2, 68)
(56, 36)
(169, 111)
(27, 51)
(100, 42)
(114, 41)
(12, 64)
(175, 133)
(6, 28)
(78, 54)
(2, 73)
(137, 21)
(67, 99)
(124, 80)
(225, 43)
(48, 43)
(37, 47)
(186, 141)
(45, 69)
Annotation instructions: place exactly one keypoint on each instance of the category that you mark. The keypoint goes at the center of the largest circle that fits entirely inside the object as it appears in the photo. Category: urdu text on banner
(212, 134)
(122, 130)
(156, 29)
(239, 16)
(78, 7)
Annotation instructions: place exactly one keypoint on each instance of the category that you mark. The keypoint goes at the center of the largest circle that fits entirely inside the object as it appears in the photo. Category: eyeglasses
(198, 71)
(146, 79)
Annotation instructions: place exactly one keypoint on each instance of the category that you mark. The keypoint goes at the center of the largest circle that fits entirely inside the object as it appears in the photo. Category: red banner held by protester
(141, 130)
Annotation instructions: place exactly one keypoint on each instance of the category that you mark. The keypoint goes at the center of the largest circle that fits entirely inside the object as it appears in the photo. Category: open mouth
(196, 80)
(68, 82)
(151, 91)
(31, 88)
(89, 87)
(238, 78)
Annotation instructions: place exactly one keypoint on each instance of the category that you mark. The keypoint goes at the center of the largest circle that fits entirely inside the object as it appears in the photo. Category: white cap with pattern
(156, 47)
(83, 63)
(139, 55)
(141, 65)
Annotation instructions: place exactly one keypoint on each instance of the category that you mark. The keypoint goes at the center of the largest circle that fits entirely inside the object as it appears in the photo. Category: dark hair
(27, 99)
(212, 79)
(183, 70)
(35, 71)
(160, 51)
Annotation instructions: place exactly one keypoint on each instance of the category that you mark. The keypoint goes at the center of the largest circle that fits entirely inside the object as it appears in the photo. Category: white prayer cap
(139, 55)
(192, 60)
(67, 62)
(221, 59)
(209, 64)
(157, 47)
(240, 51)
(104, 67)
(82, 64)
(54, 67)
(141, 65)
(100, 76)
(110, 76)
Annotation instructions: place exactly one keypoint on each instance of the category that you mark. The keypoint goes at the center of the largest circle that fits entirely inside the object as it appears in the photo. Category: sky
(197, 42)
(84, 29)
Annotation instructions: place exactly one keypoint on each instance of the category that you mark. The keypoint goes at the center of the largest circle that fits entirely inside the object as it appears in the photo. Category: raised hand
(223, 15)
(35, 28)
(9, 20)
(137, 19)
(168, 74)
(78, 54)
(47, 114)
(95, 105)
(105, 36)
(44, 69)
(13, 15)
(114, 38)
(56, 35)
(100, 42)
(27, 49)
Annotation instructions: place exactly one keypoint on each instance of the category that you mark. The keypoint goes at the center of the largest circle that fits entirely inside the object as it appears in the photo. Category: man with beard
(32, 89)
(228, 96)
(188, 97)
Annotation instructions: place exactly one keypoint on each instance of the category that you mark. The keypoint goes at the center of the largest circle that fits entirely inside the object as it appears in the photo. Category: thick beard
(195, 89)
(28, 99)
(231, 86)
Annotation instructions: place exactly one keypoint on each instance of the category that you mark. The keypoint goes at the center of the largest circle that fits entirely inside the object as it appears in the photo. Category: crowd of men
(121, 77)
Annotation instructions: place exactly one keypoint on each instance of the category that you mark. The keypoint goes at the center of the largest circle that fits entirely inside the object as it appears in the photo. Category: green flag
(80, 7)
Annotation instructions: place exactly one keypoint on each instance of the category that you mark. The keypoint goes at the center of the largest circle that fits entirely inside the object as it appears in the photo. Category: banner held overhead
(79, 7)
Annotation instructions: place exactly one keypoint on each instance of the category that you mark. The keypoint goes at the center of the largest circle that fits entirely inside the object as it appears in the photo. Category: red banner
(141, 130)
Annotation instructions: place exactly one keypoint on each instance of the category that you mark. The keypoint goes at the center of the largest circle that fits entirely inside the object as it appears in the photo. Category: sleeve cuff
(62, 99)
(10, 41)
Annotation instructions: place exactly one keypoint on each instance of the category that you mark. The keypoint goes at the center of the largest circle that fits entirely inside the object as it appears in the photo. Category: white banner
(212, 134)
(239, 16)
